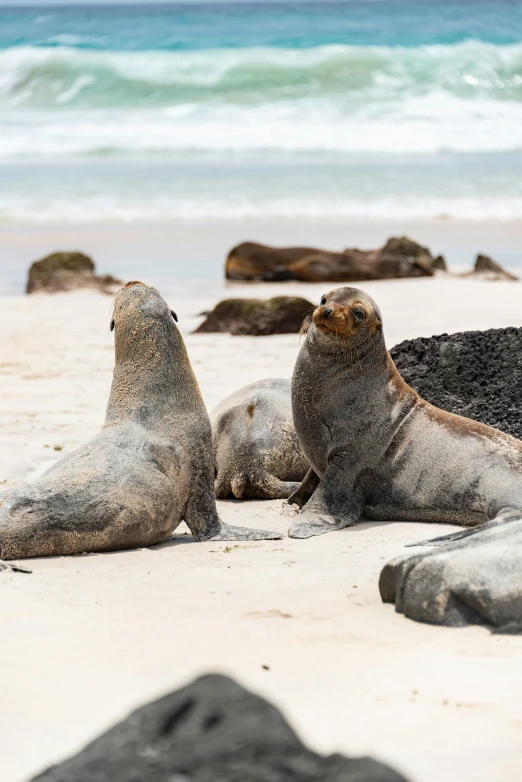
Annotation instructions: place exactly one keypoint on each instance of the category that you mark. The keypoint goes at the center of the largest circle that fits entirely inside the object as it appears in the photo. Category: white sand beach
(85, 639)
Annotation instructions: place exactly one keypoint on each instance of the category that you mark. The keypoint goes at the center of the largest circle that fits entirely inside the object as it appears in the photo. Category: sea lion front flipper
(202, 520)
(334, 505)
(230, 533)
(307, 487)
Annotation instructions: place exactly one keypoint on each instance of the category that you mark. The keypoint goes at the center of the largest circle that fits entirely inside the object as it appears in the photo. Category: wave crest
(46, 77)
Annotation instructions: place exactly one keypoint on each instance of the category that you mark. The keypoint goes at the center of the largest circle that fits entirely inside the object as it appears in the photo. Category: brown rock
(66, 271)
(439, 263)
(257, 317)
(491, 270)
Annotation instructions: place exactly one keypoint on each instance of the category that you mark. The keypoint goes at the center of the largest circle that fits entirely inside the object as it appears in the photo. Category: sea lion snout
(345, 311)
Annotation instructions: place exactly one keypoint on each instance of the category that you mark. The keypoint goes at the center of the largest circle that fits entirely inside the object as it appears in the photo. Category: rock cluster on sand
(67, 271)
(257, 317)
(213, 730)
(400, 257)
(477, 374)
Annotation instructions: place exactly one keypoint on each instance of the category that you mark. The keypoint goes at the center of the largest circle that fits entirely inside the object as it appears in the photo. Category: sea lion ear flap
(112, 324)
(174, 315)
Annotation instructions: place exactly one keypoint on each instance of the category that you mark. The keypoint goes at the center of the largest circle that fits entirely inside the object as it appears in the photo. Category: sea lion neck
(360, 349)
(152, 376)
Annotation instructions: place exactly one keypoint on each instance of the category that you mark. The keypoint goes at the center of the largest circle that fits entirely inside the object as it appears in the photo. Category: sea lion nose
(327, 311)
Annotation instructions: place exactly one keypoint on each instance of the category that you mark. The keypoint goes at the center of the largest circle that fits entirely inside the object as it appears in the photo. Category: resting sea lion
(256, 450)
(148, 469)
(380, 450)
(474, 579)
(398, 258)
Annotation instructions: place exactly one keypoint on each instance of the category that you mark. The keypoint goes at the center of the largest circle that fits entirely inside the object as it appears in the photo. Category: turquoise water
(360, 109)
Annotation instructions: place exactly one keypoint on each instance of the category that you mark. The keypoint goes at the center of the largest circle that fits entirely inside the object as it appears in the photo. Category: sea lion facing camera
(256, 450)
(148, 469)
(380, 450)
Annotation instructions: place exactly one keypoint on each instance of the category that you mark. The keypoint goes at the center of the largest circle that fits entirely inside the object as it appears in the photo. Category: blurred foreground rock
(257, 317)
(213, 730)
(67, 271)
(400, 257)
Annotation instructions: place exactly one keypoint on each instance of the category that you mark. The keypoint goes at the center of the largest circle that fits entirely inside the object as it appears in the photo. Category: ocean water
(353, 108)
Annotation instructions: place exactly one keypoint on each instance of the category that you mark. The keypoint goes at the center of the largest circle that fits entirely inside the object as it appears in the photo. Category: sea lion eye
(359, 315)
(323, 300)
(112, 324)
(174, 315)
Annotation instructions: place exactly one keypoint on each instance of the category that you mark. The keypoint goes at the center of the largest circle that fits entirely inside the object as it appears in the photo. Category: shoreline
(193, 253)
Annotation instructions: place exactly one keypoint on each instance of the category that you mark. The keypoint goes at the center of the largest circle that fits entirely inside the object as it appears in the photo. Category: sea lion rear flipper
(334, 505)
(230, 533)
(13, 566)
(442, 539)
(503, 516)
(307, 487)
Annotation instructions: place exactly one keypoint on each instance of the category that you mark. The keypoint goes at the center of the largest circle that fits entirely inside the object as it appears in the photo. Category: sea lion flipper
(334, 505)
(230, 533)
(504, 515)
(307, 487)
(476, 581)
(14, 566)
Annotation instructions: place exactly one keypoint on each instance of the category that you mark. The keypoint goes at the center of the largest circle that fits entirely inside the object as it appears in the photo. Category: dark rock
(211, 731)
(477, 374)
(491, 270)
(257, 317)
(67, 271)
(251, 261)
(439, 263)
(403, 247)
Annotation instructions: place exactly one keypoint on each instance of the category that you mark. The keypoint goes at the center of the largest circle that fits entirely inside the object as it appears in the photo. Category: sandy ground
(85, 639)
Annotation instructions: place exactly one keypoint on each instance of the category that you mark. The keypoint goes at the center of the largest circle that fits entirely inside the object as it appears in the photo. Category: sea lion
(256, 450)
(148, 469)
(398, 258)
(475, 579)
(380, 450)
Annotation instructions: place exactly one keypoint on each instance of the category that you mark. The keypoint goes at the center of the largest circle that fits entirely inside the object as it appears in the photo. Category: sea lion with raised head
(380, 451)
(148, 469)
(256, 450)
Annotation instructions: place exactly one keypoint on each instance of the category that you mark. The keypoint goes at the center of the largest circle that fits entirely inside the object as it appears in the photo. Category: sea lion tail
(238, 485)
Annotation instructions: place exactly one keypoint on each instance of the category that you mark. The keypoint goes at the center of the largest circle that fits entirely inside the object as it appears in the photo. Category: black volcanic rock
(213, 730)
(477, 374)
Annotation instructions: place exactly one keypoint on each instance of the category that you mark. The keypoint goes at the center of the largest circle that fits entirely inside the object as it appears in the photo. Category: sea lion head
(346, 315)
(137, 301)
(151, 362)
